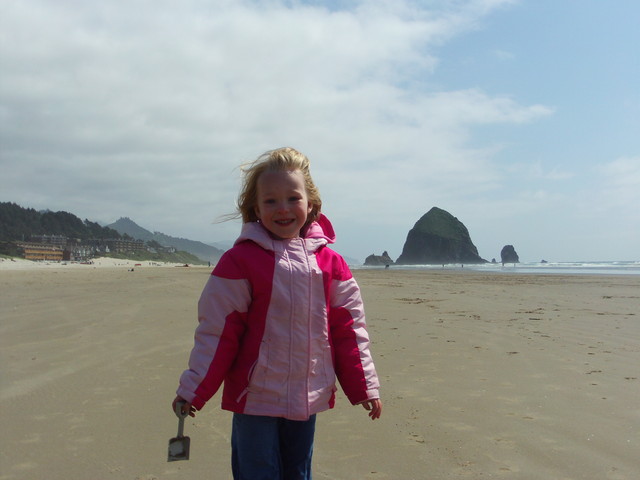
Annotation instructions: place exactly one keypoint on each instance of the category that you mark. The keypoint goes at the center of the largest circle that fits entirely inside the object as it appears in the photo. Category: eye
(295, 199)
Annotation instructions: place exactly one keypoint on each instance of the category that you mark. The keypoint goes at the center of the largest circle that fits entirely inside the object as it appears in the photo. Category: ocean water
(572, 268)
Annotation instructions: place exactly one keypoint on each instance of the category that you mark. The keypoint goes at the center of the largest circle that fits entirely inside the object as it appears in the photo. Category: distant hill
(126, 225)
(199, 249)
(352, 261)
(19, 223)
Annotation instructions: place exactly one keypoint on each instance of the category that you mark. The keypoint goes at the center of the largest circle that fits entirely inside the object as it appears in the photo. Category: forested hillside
(18, 223)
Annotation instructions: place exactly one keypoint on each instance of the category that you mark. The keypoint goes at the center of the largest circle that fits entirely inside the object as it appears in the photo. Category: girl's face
(282, 204)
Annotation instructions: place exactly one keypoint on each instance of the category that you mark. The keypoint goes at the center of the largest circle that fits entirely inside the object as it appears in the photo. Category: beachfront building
(36, 251)
(121, 245)
(78, 253)
(57, 240)
(60, 248)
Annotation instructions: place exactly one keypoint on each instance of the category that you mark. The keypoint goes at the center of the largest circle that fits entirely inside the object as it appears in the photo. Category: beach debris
(179, 446)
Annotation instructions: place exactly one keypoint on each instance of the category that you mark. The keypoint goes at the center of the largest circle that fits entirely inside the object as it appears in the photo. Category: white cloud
(539, 171)
(144, 108)
(503, 54)
(621, 184)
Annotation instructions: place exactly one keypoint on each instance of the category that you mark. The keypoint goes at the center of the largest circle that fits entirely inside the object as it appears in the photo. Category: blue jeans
(271, 448)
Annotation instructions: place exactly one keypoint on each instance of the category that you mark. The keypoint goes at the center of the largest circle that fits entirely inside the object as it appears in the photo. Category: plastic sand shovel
(179, 446)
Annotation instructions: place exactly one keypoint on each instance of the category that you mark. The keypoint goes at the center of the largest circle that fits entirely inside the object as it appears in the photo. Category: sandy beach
(484, 376)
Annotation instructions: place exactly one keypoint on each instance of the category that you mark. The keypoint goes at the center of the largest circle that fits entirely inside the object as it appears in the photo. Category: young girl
(279, 319)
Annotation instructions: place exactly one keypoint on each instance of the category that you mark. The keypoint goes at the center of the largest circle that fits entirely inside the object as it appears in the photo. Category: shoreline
(100, 262)
(550, 268)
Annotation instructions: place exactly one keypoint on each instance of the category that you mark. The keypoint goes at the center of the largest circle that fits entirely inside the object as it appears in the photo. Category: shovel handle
(181, 416)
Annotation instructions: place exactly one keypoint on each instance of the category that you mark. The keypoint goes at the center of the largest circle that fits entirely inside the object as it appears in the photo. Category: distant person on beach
(280, 318)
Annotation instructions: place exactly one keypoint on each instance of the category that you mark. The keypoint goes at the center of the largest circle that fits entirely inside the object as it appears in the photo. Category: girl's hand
(374, 407)
(186, 408)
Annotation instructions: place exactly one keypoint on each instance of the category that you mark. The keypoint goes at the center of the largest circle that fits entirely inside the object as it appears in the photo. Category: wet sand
(484, 376)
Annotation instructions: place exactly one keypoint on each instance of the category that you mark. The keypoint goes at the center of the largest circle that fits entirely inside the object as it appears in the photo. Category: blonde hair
(281, 159)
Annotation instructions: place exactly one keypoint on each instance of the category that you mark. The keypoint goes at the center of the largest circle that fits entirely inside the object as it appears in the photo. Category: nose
(282, 206)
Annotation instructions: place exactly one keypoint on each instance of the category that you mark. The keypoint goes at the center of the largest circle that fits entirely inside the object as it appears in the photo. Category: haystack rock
(438, 238)
(509, 255)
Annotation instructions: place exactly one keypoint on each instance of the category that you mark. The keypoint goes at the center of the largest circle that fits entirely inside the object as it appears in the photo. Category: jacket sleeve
(222, 313)
(353, 363)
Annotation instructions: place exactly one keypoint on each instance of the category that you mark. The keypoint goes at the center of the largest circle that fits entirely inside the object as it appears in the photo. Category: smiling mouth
(284, 223)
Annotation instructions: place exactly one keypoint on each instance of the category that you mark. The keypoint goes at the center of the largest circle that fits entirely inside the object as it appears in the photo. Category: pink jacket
(279, 320)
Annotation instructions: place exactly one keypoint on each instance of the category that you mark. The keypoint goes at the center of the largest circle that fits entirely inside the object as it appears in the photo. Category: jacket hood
(317, 234)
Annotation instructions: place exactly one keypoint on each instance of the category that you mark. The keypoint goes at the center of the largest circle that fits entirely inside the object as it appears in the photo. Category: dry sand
(484, 376)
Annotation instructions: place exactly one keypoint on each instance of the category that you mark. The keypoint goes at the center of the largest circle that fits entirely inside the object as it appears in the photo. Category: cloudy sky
(520, 118)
